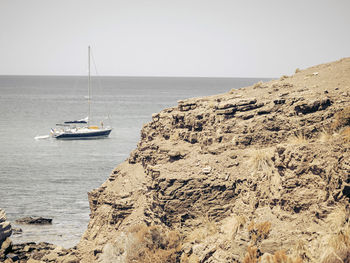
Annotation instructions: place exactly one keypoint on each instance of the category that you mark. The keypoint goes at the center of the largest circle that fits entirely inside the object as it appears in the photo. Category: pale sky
(209, 38)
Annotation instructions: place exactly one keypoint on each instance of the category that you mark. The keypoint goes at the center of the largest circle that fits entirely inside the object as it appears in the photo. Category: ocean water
(51, 178)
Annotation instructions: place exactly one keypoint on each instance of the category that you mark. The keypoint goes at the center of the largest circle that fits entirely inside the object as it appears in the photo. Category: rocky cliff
(258, 173)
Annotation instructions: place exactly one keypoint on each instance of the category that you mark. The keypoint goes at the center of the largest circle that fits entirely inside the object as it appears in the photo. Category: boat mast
(89, 92)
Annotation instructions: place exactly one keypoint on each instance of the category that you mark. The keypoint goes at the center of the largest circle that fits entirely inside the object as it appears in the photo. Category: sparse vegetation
(212, 104)
(346, 134)
(154, 245)
(207, 228)
(339, 247)
(251, 256)
(337, 219)
(325, 136)
(258, 232)
(189, 259)
(341, 240)
(302, 251)
(260, 159)
(281, 257)
(341, 119)
(241, 220)
(298, 138)
(341, 124)
(258, 85)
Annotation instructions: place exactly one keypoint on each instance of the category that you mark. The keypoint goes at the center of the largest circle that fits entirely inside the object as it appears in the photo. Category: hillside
(256, 170)
(259, 173)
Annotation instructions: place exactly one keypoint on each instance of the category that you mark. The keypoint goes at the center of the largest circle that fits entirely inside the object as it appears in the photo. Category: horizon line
(132, 76)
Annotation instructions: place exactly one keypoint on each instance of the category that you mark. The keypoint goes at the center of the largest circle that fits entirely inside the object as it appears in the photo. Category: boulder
(312, 106)
(34, 221)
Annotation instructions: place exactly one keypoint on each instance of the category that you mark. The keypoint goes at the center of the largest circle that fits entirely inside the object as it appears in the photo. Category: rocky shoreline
(259, 174)
(5, 233)
(31, 252)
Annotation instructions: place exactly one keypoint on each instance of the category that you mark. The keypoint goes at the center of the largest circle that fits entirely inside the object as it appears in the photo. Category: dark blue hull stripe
(90, 135)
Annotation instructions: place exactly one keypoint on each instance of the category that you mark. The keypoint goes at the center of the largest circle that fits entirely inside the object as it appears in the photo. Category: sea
(44, 177)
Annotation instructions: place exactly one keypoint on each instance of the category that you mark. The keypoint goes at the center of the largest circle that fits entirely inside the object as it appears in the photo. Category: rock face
(238, 176)
(34, 221)
(42, 252)
(5, 233)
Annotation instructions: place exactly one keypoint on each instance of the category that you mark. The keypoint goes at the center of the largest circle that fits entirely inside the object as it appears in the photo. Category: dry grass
(346, 134)
(212, 104)
(298, 138)
(337, 219)
(302, 252)
(251, 256)
(207, 227)
(258, 85)
(341, 240)
(341, 119)
(258, 232)
(339, 247)
(154, 245)
(260, 159)
(325, 136)
(232, 225)
(189, 259)
(241, 220)
(281, 257)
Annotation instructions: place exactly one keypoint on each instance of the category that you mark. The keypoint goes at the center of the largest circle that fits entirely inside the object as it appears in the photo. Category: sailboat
(81, 129)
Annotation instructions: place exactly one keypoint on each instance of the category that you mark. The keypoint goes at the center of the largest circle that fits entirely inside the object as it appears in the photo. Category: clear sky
(213, 38)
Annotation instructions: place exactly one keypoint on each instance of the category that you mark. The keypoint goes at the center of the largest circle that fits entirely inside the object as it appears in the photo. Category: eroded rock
(34, 221)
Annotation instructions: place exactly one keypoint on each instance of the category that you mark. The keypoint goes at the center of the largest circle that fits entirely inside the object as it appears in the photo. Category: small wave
(41, 137)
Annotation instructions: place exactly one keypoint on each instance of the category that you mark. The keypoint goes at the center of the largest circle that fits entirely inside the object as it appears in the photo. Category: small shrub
(325, 136)
(302, 251)
(284, 77)
(346, 134)
(263, 229)
(341, 240)
(341, 119)
(297, 70)
(189, 259)
(298, 138)
(339, 247)
(337, 219)
(258, 85)
(281, 257)
(154, 245)
(259, 231)
(260, 159)
(251, 256)
(241, 220)
(207, 227)
(212, 104)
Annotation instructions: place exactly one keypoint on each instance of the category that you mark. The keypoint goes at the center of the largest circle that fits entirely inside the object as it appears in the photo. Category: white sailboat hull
(81, 134)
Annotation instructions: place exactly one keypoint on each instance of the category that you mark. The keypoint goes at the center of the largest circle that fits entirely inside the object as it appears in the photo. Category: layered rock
(242, 174)
(42, 252)
(5, 233)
